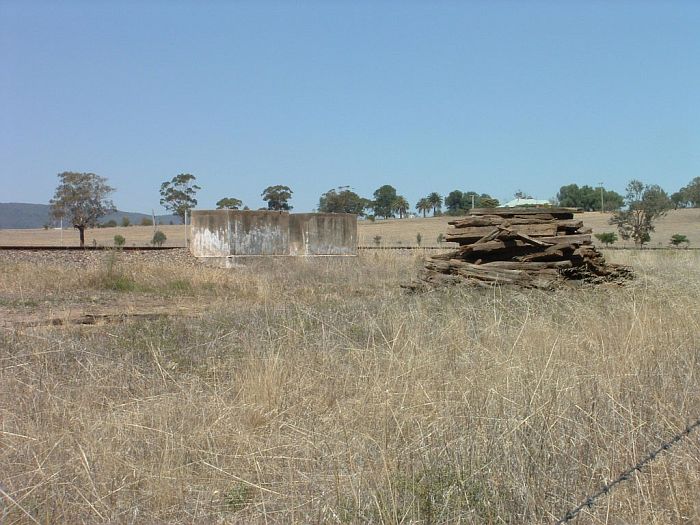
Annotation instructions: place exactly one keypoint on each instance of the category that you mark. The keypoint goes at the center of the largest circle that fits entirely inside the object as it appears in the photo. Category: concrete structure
(226, 235)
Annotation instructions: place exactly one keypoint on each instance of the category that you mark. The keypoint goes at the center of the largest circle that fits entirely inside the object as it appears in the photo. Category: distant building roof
(526, 202)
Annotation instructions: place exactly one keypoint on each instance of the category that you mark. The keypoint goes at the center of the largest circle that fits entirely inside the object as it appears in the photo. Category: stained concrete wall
(210, 233)
(230, 233)
(322, 234)
(258, 232)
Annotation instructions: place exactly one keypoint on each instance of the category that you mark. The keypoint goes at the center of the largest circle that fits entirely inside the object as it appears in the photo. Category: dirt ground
(392, 232)
(32, 305)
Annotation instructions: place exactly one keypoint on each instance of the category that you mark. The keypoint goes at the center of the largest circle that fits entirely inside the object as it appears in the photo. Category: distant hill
(15, 215)
(135, 218)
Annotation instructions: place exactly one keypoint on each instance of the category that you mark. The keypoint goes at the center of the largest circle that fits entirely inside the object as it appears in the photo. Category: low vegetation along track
(91, 248)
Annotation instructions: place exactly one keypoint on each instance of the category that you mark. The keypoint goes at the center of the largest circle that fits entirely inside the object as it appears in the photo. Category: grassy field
(316, 391)
(393, 232)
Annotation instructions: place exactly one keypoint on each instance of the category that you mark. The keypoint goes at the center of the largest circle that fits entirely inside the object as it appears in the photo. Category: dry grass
(316, 391)
(403, 232)
(393, 232)
(134, 235)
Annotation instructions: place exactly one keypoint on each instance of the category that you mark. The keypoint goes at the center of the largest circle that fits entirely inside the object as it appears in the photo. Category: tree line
(82, 199)
(387, 203)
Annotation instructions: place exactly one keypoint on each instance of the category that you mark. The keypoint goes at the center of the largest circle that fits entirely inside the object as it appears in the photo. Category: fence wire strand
(627, 474)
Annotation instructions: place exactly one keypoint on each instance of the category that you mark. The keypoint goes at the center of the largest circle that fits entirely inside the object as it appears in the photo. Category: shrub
(238, 497)
(607, 238)
(126, 222)
(377, 240)
(113, 278)
(110, 224)
(419, 238)
(440, 238)
(146, 221)
(158, 238)
(119, 241)
(677, 239)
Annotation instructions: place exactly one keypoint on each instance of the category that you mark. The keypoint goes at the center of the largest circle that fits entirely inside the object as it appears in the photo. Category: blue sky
(426, 96)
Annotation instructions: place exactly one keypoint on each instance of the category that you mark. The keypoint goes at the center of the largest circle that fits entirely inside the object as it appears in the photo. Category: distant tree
(471, 199)
(607, 238)
(146, 221)
(178, 194)
(678, 239)
(119, 241)
(435, 201)
(81, 199)
(612, 200)
(486, 201)
(571, 196)
(158, 238)
(384, 199)
(588, 198)
(453, 202)
(459, 203)
(277, 197)
(679, 200)
(692, 191)
(645, 204)
(110, 224)
(228, 203)
(688, 195)
(342, 200)
(423, 206)
(401, 206)
(126, 222)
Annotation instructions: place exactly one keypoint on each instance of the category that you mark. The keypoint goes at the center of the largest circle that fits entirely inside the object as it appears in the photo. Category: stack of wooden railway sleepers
(530, 247)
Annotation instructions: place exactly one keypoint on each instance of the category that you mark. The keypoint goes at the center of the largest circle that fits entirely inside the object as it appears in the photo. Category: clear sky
(427, 96)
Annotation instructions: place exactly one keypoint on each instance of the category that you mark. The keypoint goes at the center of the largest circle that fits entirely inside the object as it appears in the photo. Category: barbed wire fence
(628, 473)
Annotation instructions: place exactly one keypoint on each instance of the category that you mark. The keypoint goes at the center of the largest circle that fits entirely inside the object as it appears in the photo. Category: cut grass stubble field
(317, 391)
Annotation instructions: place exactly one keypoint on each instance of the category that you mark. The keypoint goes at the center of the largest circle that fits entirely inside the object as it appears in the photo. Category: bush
(113, 278)
(607, 238)
(377, 240)
(677, 239)
(158, 238)
(419, 238)
(146, 222)
(119, 241)
(440, 238)
(126, 222)
(110, 224)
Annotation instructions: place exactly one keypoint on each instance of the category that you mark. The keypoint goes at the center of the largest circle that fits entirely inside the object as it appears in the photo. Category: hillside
(15, 215)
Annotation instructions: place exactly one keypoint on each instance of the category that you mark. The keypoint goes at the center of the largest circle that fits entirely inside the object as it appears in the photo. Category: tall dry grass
(326, 395)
